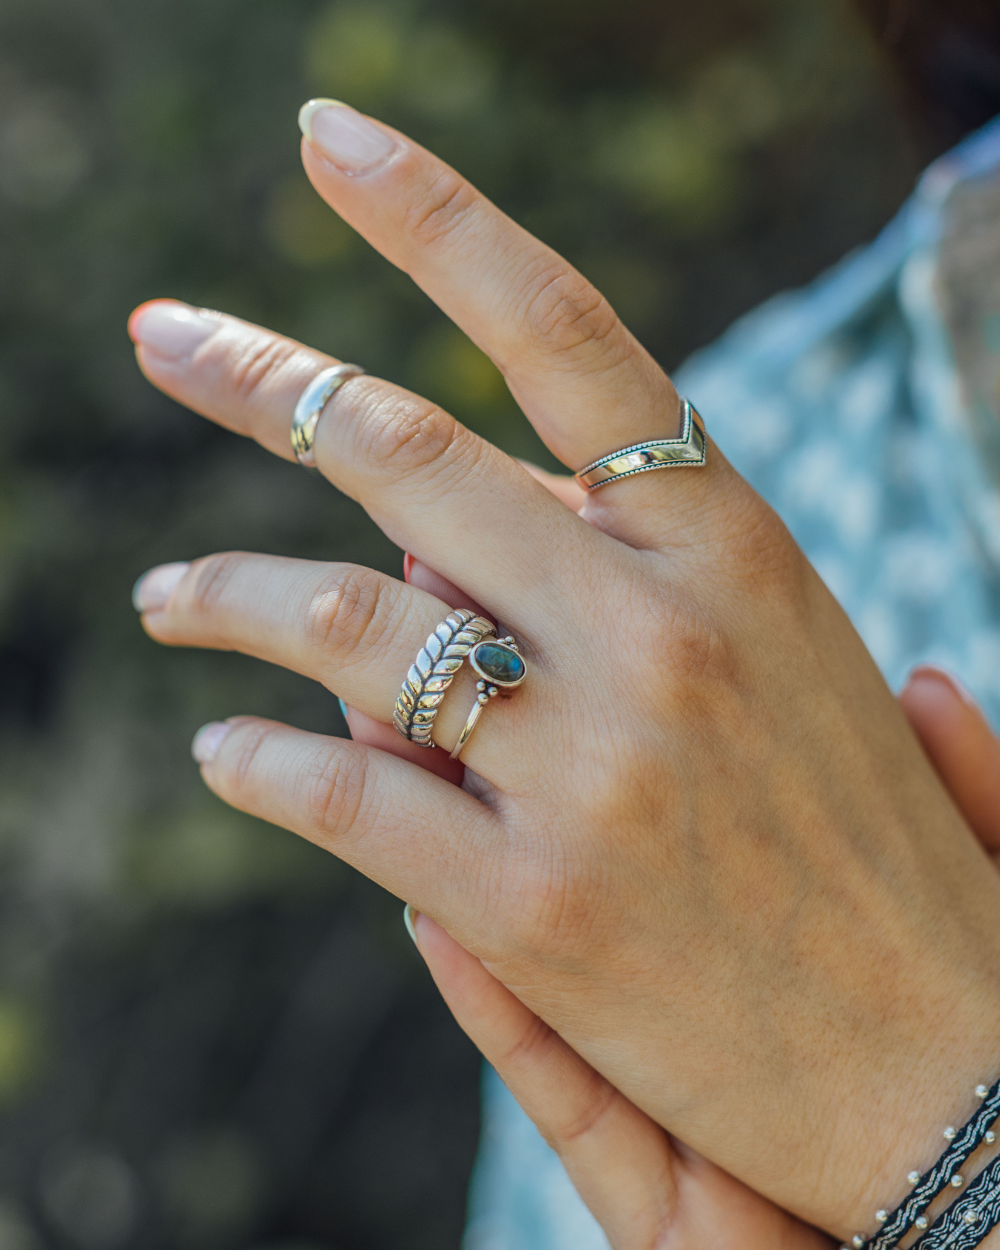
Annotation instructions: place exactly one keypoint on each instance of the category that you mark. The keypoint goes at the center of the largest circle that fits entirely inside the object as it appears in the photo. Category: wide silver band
(433, 671)
(310, 407)
(661, 453)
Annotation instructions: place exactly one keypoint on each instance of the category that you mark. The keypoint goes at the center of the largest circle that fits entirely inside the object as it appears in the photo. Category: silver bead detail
(480, 685)
(921, 1221)
(882, 1216)
(858, 1241)
(982, 1091)
(971, 1217)
(989, 1137)
(957, 1181)
(950, 1133)
(913, 1177)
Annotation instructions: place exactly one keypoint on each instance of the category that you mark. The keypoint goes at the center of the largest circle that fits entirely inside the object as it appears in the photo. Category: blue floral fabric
(866, 409)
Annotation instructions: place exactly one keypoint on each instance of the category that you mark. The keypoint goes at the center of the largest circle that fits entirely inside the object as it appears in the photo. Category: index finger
(582, 379)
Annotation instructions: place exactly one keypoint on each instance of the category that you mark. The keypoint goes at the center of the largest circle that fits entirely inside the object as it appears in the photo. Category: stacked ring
(500, 667)
(688, 451)
(433, 671)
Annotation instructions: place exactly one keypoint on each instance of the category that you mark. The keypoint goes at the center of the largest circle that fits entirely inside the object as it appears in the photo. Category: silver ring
(310, 407)
(688, 451)
(433, 671)
(500, 666)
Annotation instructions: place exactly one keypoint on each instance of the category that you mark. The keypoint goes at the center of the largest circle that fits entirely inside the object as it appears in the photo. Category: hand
(644, 1189)
(701, 842)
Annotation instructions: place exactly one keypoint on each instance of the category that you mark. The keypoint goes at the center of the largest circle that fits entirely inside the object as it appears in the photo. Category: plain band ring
(310, 407)
(433, 671)
(500, 667)
(688, 451)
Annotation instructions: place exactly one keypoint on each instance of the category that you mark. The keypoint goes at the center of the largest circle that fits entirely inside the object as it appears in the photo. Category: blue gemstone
(498, 663)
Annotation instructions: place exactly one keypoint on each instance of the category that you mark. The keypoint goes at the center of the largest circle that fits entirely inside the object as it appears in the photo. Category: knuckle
(566, 315)
(415, 437)
(250, 740)
(335, 796)
(354, 608)
(256, 365)
(759, 549)
(443, 206)
(579, 1120)
(679, 636)
(213, 575)
(696, 644)
(556, 894)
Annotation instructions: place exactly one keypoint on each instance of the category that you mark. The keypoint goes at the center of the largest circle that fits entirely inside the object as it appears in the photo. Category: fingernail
(349, 140)
(407, 566)
(343, 708)
(410, 915)
(154, 588)
(932, 670)
(208, 739)
(170, 329)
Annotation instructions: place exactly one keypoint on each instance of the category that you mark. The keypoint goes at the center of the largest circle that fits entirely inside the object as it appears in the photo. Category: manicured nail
(170, 329)
(940, 674)
(153, 589)
(343, 708)
(410, 915)
(208, 739)
(347, 139)
(407, 566)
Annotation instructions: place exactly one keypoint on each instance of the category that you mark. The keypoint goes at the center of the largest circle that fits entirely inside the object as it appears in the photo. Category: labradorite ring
(433, 671)
(310, 407)
(661, 453)
(500, 667)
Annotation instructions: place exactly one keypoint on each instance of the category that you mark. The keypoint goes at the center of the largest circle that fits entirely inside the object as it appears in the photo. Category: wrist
(921, 1120)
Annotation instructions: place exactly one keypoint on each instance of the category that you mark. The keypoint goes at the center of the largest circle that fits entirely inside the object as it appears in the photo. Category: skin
(701, 843)
(647, 1190)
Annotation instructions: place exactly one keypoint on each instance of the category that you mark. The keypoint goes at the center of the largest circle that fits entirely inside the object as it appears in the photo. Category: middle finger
(435, 488)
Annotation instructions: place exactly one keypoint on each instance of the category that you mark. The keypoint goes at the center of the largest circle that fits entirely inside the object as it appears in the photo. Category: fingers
(354, 630)
(396, 823)
(961, 746)
(641, 1189)
(373, 733)
(577, 372)
(435, 488)
(619, 1160)
(579, 375)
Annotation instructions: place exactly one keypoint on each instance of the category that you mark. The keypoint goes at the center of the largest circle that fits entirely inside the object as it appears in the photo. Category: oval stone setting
(498, 663)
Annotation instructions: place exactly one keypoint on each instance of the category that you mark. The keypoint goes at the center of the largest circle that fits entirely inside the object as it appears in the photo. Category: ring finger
(353, 629)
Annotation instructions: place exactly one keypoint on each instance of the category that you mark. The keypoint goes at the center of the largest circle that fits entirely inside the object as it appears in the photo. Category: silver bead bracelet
(943, 1175)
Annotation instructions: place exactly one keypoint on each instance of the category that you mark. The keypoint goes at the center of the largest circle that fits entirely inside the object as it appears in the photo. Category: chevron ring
(688, 451)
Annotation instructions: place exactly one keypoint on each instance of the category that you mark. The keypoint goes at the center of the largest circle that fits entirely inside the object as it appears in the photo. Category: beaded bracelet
(966, 1223)
(962, 1143)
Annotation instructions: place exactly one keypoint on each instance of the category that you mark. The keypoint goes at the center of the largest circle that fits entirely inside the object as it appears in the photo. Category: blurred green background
(212, 1036)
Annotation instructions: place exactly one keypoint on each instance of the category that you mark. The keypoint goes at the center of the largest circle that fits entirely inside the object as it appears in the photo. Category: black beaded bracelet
(967, 1222)
(962, 1143)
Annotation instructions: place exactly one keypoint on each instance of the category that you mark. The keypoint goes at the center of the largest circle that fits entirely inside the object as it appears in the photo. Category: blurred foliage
(210, 1033)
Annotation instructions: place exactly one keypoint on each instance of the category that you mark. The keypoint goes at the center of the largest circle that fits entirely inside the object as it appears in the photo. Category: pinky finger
(621, 1163)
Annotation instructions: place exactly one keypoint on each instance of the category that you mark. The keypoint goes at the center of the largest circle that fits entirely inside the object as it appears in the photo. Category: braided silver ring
(433, 671)
(310, 407)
